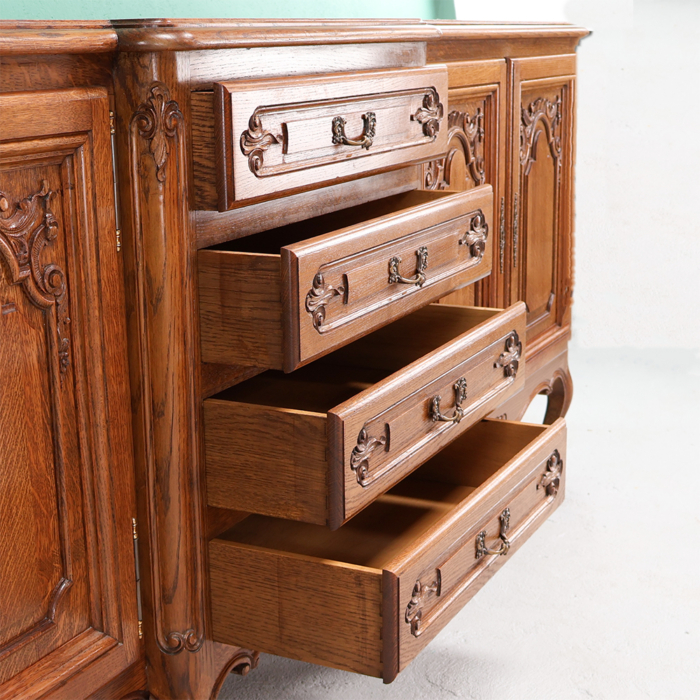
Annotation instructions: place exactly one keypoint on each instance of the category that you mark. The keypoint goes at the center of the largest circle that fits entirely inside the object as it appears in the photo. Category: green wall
(122, 9)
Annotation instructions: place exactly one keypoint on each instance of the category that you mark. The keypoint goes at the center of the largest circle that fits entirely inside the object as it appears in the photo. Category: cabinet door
(476, 156)
(541, 156)
(68, 612)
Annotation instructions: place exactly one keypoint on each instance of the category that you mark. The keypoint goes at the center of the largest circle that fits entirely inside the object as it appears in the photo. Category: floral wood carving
(318, 297)
(430, 114)
(469, 131)
(363, 450)
(551, 478)
(476, 235)
(25, 230)
(414, 609)
(550, 115)
(255, 141)
(157, 120)
(510, 359)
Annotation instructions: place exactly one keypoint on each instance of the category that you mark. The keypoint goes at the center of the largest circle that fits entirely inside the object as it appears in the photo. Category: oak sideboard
(274, 297)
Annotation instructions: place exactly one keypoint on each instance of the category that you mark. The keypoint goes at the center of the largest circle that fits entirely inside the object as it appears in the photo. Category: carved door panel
(68, 602)
(476, 156)
(541, 213)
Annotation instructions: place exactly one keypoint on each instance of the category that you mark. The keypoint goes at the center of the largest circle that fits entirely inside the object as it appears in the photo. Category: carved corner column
(152, 128)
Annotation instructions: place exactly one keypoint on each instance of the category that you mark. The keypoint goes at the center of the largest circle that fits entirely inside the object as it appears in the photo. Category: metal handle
(482, 549)
(368, 132)
(421, 267)
(460, 388)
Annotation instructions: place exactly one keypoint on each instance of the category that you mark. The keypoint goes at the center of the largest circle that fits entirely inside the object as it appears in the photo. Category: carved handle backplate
(421, 266)
(414, 609)
(460, 389)
(476, 235)
(552, 476)
(504, 545)
(318, 298)
(369, 131)
(510, 359)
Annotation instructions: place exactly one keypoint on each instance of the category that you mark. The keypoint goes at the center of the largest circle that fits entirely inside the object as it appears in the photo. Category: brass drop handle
(460, 389)
(421, 266)
(482, 549)
(368, 131)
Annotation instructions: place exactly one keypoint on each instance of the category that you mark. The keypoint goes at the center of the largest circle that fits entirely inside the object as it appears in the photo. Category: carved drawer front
(282, 298)
(320, 444)
(368, 597)
(283, 134)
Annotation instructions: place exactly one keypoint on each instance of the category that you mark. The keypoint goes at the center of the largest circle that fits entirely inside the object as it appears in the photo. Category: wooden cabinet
(273, 296)
(68, 608)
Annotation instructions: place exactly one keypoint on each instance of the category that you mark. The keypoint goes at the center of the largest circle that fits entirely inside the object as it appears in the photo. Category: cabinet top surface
(46, 37)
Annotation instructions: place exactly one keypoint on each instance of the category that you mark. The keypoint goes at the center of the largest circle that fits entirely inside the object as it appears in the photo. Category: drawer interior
(329, 381)
(397, 519)
(269, 242)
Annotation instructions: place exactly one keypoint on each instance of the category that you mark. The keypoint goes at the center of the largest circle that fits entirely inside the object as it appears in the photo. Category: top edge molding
(153, 35)
(56, 37)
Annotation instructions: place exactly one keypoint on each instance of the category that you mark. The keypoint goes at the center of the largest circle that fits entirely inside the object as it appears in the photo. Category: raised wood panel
(66, 502)
(541, 180)
(476, 156)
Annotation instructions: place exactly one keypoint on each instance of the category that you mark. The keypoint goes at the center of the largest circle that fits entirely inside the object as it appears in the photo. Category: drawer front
(343, 285)
(381, 435)
(439, 580)
(278, 135)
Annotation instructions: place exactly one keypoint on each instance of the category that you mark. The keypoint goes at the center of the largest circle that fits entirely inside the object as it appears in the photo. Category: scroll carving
(476, 235)
(363, 450)
(25, 231)
(430, 114)
(319, 296)
(510, 359)
(157, 121)
(468, 130)
(552, 476)
(255, 141)
(414, 609)
(550, 115)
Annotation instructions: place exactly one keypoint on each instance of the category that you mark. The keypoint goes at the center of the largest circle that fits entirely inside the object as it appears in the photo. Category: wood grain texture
(69, 601)
(291, 580)
(292, 446)
(158, 243)
(330, 282)
(56, 37)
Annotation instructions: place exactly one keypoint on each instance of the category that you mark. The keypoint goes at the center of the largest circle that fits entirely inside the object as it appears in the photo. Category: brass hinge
(117, 225)
(135, 533)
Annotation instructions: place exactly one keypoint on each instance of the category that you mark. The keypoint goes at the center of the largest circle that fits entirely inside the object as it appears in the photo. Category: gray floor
(604, 601)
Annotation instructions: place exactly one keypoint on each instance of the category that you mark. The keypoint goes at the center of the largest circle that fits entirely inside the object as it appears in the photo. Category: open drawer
(281, 134)
(320, 444)
(281, 298)
(368, 597)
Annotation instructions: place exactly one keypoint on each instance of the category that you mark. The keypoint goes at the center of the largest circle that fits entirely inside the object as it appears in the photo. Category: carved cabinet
(273, 299)
(68, 611)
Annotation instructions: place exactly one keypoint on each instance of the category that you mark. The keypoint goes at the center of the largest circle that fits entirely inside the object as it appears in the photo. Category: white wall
(637, 181)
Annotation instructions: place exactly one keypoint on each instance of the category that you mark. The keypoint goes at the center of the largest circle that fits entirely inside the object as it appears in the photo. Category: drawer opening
(271, 241)
(284, 297)
(343, 374)
(405, 513)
